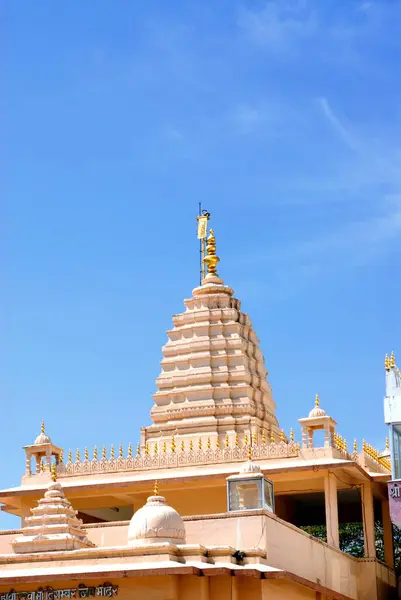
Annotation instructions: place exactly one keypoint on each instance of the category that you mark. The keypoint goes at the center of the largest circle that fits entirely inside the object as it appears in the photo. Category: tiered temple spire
(213, 378)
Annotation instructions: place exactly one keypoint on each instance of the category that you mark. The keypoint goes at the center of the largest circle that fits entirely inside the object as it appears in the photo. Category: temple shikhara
(213, 502)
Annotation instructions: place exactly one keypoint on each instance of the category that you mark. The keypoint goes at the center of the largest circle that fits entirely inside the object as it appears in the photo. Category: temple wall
(185, 587)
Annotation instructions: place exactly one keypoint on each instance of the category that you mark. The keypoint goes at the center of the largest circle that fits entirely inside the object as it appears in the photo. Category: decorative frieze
(198, 455)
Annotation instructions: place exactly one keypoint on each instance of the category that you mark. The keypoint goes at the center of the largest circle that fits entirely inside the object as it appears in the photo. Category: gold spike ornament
(211, 259)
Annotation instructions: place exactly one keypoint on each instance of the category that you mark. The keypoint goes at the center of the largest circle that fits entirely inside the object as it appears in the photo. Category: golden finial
(95, 454)
(156, 448)
(392, 360)
(86, 454)
(182, 445)
(54, 472)
(218, 442)
(317, 401)
(138, 449)
(236, 440)
(42, 466)
(104, 452)
(227, 441)
(255, 438)
(156, 488)
(173, 445)
(246, 441)
(249, 452)
(263, 436)
(291, 435)
(211, 259)
(282, 435)
(120, 451)
(78, 455)
(112, 451)
(345, 445)
(61, 458)
(69, 456)
(200, 443)
(386, 362)
(387, 443)
(42, 427)
(146, 447)
(191, 444)
(272, 438)
(355, 445)
(164, 447)
(208, 445)
(129, 450)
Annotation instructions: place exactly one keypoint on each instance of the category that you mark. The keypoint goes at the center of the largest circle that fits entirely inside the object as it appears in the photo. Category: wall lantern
(250, 490)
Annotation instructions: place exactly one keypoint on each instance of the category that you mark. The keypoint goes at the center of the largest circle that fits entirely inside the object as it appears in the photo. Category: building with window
(392, 415)
(232, 492)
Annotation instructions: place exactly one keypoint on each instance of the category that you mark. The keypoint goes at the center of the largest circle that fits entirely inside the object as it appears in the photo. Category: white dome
(250, 467)
(156, 523)
(317, 411)
(42, 439)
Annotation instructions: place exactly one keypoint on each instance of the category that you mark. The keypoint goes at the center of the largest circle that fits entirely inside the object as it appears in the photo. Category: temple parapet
(173, 457)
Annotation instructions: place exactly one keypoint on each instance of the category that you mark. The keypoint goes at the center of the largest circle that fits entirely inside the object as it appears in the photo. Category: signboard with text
(107, 590)
(394, 497)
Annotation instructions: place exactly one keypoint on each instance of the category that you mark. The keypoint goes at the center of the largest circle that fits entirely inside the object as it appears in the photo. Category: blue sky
(282, 118)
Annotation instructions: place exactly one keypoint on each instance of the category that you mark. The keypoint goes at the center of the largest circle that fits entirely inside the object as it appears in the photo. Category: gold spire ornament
(129, 450)
(392, 360)
(156, 448)
(317, 401)
(112, 451)
(227, 441)
(387, 362)
(355, 445)
(291, 435)
(282, 436)
(70, 456)
(182, 446)
(138, 449)
(211, 259)
(54, 472)
(173, 444)
(250, 452)
(42, 428)
(104, 452)
(95, 453)
(120, 451)
(86, 454)
(61, 458)
(78, 455)
(156, 488)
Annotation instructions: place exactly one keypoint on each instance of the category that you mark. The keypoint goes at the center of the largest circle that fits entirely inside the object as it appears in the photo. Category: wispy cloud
(279, 25)
(337, 124)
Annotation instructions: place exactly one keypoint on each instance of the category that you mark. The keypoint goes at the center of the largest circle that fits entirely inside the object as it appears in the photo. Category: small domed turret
(156, 523)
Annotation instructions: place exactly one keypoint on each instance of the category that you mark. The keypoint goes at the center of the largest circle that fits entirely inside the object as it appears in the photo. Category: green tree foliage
(351, 540)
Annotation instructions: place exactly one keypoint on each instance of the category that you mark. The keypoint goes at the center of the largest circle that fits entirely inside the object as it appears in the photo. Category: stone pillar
(368, 520)
(37, 461)
(28, 464)
(331, 504)
(327, 443)
(310, 437)
(387, 534)
(304, 437)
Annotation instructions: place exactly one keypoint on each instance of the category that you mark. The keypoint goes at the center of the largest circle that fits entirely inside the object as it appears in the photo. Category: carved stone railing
(177, 459)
